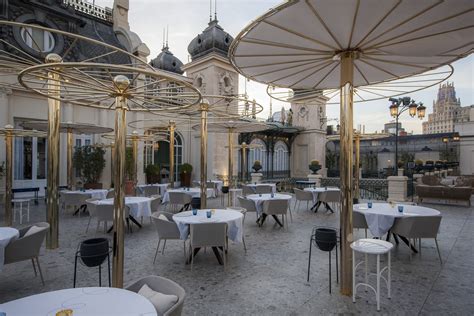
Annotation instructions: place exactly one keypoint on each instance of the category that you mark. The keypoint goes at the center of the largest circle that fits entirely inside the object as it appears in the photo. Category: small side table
(234, 193)
(19, 208)
(371, 247)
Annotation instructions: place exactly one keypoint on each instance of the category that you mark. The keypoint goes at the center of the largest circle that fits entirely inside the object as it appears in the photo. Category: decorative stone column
(316, 178)
(256, 177)
(397, 188)
(400, 172)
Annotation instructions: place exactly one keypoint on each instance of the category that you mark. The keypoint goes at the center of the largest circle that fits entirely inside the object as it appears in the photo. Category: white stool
(371, 247)
(18, 208)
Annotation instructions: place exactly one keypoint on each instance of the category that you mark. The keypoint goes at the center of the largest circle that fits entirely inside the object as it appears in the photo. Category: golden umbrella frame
(212, 107)
(244, 147)
(377, 91)
(131, 89)
(9, 133)
(15, 58)
(303, 45)
(70, 129)
(135, 138)
(230, 127)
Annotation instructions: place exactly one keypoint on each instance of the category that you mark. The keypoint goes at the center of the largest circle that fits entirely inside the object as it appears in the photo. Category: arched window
(259, 153)
(158, 153)
(281, 157)
(39, 40)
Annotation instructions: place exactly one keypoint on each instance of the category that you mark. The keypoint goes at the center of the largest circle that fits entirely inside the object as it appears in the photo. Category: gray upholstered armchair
(164, 286)
(27, 247)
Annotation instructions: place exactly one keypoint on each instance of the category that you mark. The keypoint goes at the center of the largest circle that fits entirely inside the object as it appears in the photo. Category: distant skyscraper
(446, 111)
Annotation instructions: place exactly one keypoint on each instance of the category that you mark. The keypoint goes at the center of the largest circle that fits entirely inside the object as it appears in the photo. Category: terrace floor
(271, 277)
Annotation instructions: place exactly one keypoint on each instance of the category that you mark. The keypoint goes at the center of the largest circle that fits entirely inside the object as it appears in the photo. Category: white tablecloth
(381, 216)
(316, 191)
(139, 206)
(161, 186)
(264, 197)
(194, 192)
(218, 183)
(7, 234)
(232, 218)
(93, 194)
(83, 301)
(273, 185)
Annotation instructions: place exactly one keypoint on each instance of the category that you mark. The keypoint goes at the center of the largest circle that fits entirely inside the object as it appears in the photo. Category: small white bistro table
(7, 234)
(82, 301)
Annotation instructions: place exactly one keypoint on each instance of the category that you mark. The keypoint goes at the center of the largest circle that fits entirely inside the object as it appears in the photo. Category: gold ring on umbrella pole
(122, 83)
(135, 158)
(357, 166)
(69, 160)
(346, 117)
(172, 126)
(231, 161)
(54, 114)
(204, 108)
(8, 175)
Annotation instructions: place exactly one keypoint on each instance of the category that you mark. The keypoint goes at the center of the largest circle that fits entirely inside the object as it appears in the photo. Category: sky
(185, 19)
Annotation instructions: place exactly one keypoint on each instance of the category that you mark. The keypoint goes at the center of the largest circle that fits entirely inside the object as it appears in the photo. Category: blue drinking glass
(208, 214)
(400, 208)
(272, 195)
(260, 195)
(369, 204)
(195, 211)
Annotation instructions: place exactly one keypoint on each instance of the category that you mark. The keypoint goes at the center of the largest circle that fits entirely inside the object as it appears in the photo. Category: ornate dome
(167, 61)
(212, 39)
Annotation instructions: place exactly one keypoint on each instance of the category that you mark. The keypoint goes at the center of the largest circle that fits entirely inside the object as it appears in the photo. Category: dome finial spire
(167, 35)
(215, 10)
(210, 10)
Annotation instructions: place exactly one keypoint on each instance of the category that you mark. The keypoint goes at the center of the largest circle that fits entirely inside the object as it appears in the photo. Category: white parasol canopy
(296, 45)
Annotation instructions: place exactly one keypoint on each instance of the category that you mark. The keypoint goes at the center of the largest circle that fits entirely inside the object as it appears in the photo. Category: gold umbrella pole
(171, 128)
(122, 83)
(357, 167)
(135, 157)
(112, 159)
(347, 75)
(231, 162)
(244, 162)
(8, 176)
(52, 207)
(69, 160)
(204, 109)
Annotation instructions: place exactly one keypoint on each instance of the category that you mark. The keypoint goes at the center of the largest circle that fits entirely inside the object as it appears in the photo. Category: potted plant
(185, 171)
(89, 162)
(314, 166)
(129, 168)
(257, 166)
(152, 173)
(439, 164)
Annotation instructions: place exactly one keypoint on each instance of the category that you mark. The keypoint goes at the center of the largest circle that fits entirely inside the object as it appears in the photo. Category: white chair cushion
(33, 229)
(162, 217)
(161, 302)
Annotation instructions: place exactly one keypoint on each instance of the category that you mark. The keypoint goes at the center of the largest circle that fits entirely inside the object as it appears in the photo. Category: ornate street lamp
(400, 106)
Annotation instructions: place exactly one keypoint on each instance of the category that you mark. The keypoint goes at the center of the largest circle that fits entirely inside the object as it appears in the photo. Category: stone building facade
(446, 111)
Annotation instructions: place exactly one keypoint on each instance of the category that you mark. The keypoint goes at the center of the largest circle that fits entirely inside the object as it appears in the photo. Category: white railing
(91, 9)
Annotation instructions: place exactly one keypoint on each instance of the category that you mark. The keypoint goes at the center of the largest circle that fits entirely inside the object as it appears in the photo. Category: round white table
(381, 216)
(93, 193)
(83, 301)
(139, 206)
(260, 198)
(316, 191)
(193, 192)
(254, 186)
(162, 187)
(7, 234)
(233, 219)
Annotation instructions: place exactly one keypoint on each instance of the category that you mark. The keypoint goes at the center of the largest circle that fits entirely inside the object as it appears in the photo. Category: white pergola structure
(342, 44)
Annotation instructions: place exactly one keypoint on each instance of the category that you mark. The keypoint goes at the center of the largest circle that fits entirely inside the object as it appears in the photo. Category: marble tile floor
(271, 278)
